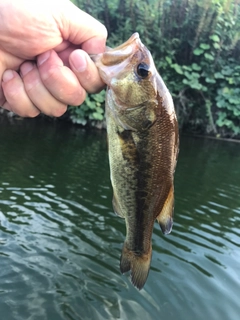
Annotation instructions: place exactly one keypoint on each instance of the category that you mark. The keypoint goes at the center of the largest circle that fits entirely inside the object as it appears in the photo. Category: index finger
(80, 28)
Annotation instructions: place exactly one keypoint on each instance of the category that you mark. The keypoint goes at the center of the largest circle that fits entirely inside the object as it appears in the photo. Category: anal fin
(165, 218)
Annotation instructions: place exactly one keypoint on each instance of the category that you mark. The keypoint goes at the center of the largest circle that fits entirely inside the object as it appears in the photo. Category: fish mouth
(122, 52)
(133, 38)
(117, 55)
(114, 60)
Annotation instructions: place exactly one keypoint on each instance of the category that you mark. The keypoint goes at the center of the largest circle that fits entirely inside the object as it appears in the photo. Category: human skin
(44, 61)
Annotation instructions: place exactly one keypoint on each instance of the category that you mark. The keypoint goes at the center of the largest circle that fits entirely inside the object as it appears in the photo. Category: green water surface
(60, 241)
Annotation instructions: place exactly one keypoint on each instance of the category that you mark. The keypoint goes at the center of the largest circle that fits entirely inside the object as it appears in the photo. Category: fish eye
(143, 70)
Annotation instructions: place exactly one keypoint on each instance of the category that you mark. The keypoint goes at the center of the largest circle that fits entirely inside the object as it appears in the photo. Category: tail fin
(138, 265)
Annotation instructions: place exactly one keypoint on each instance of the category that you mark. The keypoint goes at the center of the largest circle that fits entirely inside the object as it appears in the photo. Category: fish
(143, 145)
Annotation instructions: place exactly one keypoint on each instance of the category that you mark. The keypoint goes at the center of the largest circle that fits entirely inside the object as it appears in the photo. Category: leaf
(100, 97)
(208, 56)
(221, 119)
(177, 68)
(236, 130)
(210, 80)
(99, 110)
(194, 84)
(81, 121)
(84, 107)
(230, 80)
(92, 105)
(216, 45)
(221, 103)
(187, 68)
(97, 116)
(196, 67)
(234, 101)
(198, 52)
(195, 75)
(185, 81)
(204, 46)
(215, 38)
(236, 113)
(225, 91)
(227, 71)
(188, 74)
(218, 75)
(169, 60)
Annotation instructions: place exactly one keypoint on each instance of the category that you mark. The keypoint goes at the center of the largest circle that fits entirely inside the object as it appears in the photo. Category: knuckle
(12, 91)
(51, 74)
(31, 81)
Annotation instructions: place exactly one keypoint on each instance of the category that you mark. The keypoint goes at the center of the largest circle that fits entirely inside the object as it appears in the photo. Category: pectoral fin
(165, 219)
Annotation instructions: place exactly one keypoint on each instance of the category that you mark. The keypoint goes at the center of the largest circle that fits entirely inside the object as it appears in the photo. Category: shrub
(195, 45)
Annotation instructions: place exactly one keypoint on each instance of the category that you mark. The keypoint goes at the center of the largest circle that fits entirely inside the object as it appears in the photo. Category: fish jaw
(111, 62)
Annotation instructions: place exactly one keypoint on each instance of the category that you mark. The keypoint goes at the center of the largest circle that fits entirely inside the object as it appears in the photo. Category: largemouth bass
(143, 147)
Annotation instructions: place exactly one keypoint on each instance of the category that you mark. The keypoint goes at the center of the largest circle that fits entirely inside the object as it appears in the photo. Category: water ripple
(60, 241)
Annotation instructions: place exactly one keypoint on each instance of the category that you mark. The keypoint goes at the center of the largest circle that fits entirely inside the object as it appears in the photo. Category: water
(60, 241)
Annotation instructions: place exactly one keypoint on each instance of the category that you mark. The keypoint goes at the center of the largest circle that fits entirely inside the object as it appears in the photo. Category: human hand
(42, 68)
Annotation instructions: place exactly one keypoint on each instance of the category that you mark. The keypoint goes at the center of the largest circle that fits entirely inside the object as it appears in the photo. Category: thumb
(80, 28)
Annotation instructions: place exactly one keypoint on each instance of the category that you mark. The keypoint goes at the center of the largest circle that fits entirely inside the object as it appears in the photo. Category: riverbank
(99, 125)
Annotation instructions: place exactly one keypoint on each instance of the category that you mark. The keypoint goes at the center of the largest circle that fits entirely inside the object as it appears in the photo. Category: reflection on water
(60, 242)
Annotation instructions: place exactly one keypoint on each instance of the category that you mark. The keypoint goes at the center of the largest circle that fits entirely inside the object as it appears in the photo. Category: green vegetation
(91, 111)
(196, 48)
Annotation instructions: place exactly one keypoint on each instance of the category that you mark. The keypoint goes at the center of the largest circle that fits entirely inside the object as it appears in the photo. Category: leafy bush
(195, 45)
(90, 112)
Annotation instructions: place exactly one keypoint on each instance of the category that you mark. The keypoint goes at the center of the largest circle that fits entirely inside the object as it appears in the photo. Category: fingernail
(43, 57)
(26, 68)
(8, 75)
(79, 61)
